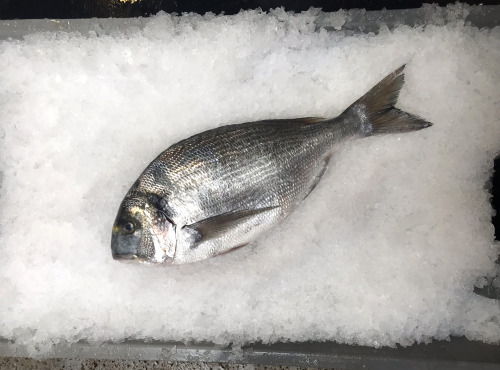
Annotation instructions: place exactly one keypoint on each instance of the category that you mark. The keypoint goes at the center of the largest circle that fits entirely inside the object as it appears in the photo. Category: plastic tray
(453, 354)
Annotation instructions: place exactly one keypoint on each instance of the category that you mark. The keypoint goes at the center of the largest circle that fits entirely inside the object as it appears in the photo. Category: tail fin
(378, 105)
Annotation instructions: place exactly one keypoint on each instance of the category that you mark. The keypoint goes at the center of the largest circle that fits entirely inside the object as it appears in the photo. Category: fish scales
(224, 187)
(269, 156)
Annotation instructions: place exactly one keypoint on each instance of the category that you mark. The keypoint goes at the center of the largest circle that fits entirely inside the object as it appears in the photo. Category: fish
(223, 188)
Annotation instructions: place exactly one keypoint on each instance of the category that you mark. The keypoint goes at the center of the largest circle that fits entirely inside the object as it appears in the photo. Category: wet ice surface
(386, 250)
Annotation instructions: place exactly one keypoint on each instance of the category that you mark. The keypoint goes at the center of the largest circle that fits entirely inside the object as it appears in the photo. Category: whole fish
(222, 188)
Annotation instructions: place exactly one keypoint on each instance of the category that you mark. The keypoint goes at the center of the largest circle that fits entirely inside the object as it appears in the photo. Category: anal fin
(319, 175)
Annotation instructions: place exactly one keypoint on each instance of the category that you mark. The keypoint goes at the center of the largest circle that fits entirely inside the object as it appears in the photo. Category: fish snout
(125, 247)
(125, 257)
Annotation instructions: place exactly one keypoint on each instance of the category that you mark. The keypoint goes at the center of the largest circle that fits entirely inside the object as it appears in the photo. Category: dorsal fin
(305, 120)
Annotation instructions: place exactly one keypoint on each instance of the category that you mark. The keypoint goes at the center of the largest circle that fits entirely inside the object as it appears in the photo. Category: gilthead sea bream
(222, 188)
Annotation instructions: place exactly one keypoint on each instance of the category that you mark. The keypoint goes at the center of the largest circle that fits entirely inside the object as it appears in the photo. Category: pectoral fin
(225, 224)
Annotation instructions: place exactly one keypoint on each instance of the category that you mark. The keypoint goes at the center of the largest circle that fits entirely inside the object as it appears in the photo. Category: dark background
(37, 9)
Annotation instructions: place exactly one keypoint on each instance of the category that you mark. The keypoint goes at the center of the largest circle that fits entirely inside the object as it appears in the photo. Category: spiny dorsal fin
(305, 120)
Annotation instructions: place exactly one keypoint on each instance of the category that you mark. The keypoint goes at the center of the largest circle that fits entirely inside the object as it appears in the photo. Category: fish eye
(129, 227)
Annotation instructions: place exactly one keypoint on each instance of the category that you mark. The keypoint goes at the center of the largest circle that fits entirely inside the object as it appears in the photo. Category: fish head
(142, 233)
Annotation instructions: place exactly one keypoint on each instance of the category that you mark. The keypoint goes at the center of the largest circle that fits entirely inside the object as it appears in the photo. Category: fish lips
(125, 247)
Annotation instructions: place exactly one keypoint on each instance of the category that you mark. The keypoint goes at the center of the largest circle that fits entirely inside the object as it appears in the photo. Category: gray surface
(459, 353)
(82, 364)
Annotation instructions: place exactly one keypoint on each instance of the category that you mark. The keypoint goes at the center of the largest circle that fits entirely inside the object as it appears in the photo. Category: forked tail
(377, 112)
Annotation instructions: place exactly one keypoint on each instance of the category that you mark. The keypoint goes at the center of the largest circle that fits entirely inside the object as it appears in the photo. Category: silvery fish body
(222, 188)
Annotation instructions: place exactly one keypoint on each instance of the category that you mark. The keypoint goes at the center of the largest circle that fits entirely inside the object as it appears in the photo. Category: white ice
(386, 250)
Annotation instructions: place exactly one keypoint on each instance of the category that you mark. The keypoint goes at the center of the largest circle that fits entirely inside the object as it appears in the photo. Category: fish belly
(263, 172)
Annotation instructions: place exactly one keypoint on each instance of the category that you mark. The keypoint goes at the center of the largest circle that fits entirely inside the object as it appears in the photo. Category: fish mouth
(128, 258)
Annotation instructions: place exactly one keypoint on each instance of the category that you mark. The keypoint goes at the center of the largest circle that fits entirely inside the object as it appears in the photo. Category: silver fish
(222, 188)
